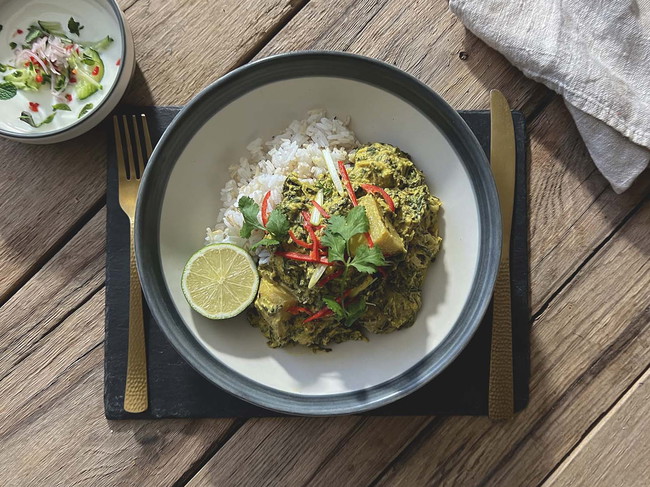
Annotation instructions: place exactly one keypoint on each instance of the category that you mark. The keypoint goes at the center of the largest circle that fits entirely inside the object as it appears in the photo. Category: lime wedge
(220, 281)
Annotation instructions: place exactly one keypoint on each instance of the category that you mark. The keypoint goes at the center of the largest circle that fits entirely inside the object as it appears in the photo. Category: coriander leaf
(74, 27)
(277, 225)
(33, 33)
(13, 45)
(368, 259)
(354, 311)
(3, 68)
(249, 210)
(29, 120)
(266, 242)
(61, 106)
(86, 108)
(7, 91)
(336, 246)
(347, 227)
(338, 310)
(356, 221)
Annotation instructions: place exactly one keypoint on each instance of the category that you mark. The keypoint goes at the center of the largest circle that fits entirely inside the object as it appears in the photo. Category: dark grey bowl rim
(310, 64)
(120, 72)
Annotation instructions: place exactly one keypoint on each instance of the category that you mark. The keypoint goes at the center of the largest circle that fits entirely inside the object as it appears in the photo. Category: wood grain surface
(589, 281)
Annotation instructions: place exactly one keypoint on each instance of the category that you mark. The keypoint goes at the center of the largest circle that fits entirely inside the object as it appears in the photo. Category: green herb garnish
(33, 33)
(86, 108)
(13, 45)
(339, 232)
(7, 91)
(348, 315)
(277, 225)
(29, 120)
(74, 27)
(61, 106)
(53, 28)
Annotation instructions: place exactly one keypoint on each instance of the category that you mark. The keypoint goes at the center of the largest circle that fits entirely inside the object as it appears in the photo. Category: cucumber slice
(90, 71)
(23, 79)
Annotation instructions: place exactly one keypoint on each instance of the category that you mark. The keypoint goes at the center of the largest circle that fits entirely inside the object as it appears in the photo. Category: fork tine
(147, 136)
(121, 165)
(138, 147)
(129, 148)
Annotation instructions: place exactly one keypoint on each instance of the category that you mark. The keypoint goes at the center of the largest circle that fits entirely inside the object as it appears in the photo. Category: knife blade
(502, 159)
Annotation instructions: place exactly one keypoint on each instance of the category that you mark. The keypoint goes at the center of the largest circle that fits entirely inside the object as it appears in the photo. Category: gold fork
(135, 394)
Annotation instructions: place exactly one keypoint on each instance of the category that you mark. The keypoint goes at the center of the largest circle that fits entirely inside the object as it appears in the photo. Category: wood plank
(572, 206)
(424, 39)
(72, 175)
(308, 451)
(617, 450)
(591, 342)
(52, 430)
(63, 284)
(168, 35)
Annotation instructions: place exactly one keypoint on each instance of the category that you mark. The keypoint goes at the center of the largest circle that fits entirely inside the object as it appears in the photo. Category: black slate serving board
(176, 390)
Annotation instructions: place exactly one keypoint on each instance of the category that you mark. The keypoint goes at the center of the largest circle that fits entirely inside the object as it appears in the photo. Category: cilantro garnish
(339, 232)
(29, 120)
(277, 225)
(74, 27)
(348, 315)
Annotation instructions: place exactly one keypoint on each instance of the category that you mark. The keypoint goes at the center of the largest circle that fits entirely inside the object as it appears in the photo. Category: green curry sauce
(408, 238)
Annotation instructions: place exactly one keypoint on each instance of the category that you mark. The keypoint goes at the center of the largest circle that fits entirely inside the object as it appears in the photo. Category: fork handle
(135, 394)
(501, 395)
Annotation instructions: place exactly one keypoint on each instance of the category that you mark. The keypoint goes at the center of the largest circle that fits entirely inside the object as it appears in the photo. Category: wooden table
(588, 418)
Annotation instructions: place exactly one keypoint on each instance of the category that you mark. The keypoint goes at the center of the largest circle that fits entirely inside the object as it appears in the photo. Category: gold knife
(502, 159)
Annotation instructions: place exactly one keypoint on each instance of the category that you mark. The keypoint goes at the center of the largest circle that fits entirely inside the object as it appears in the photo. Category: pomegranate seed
(19, 31)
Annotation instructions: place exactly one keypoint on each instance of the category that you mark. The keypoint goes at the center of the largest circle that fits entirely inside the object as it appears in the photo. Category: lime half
(220, 281)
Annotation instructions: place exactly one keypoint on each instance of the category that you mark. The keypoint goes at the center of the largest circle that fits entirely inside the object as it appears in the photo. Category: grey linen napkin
(595, 53)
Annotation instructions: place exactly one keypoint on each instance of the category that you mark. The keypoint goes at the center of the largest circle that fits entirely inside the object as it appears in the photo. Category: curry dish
(326, 284)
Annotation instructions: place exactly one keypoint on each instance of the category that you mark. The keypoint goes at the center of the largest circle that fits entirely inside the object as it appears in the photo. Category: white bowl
(179, 198)
(100, 18)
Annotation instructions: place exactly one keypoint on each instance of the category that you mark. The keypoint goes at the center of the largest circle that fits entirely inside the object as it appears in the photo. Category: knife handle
(501, 395)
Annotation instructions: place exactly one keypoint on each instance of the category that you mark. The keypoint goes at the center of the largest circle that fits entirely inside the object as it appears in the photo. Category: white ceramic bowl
(100, 18)
(179, 198)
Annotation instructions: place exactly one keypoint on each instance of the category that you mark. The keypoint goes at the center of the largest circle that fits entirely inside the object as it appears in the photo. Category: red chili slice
(320, 314)
(294, 310)
(33, 106)
(68, 97)
(118, 62)
(303, 257)
(315, 243)
(347, 183)
(371, 244)
(95, 71)
(331, 277)
(299, 242)
(39, 78)
(371, 188)
(265, 208)
(320, 209)
(306, 217)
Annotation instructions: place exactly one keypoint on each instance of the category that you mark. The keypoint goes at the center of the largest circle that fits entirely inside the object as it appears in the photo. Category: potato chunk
(382, 231)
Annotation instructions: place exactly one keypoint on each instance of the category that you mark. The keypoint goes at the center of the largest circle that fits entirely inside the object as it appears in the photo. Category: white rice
(298, 149)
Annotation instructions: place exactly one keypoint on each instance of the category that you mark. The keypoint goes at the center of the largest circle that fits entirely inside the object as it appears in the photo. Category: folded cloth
(595, 53)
